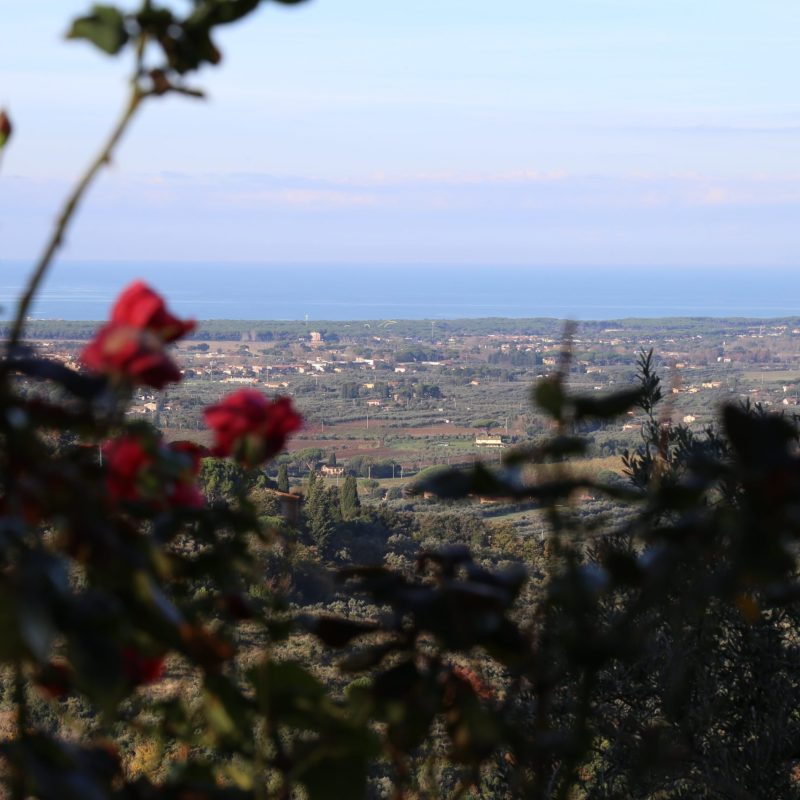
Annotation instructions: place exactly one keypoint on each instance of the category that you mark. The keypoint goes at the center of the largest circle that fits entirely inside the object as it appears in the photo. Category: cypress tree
(334, 503)
(320, 513)
(283, 478)
(311, 486)
(348, 499)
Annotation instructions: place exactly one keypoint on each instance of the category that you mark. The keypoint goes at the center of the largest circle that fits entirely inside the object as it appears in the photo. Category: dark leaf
(76, 383)
(104, 28)
(548, 394)
(512, 578)
(447, 558)
(761, 441)
(397, 681)
(336, 631)
(336, 775)
(210, 14)
(367, 658)
(606, 407)
(291, 694)
(556, 448)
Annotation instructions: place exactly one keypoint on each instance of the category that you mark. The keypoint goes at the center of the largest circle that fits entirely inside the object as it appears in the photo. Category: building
(290, 507)
(332, 471)
(490, 441)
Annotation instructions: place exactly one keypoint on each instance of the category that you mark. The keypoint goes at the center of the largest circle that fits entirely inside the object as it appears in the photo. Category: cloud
(523, 216)
(309, 199)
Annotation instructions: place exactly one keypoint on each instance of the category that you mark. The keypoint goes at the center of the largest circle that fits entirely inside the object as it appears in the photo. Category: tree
(309, 457)
(350, 504)
(321, 511)
(220, 478)
(283, 478)
(486, 424)
(312, 485)
(350, 390)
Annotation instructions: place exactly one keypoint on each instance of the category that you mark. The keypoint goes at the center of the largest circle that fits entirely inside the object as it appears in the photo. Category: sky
(652, 133)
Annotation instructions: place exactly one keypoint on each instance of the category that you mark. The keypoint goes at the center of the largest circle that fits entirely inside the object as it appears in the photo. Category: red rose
(140, 307)
(193, 453)
(185, 493)
(250, 427)
(140, 669)
(163, 475)
(132, 354)
(125, 460)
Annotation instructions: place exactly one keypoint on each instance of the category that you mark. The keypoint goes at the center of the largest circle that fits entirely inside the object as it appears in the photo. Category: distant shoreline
(337, 293)
(439, 331)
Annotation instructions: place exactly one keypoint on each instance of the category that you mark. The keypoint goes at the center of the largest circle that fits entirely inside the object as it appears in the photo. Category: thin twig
(57, 237)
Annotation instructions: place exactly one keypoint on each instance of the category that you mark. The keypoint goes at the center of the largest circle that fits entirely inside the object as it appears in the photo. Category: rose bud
(6, 128)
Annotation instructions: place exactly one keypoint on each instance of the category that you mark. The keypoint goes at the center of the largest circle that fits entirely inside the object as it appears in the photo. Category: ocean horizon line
(84, 291)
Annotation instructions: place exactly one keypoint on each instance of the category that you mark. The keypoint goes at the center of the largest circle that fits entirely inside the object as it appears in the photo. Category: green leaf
(97, 663)
(474, 731)
(397, 681)
(104, 28)
(208, 15)
(368, 657)
(218, 717)
(336, 776)
(290, 694)
(227, 710)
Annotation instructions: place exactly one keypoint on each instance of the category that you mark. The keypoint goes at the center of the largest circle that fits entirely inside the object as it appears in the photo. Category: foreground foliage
(150, 645)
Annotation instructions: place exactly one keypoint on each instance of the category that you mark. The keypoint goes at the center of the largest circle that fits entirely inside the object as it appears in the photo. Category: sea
(85, 291)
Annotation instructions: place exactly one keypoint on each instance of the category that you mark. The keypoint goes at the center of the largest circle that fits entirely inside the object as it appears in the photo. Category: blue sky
(638, 132)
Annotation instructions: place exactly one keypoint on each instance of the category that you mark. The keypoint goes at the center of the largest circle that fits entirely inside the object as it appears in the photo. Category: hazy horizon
(336, 292)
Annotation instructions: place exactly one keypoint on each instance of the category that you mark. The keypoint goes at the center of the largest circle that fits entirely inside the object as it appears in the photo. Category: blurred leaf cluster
(169, 40)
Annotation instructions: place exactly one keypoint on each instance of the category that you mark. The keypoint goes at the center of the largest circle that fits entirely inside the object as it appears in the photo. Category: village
(385, 400)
